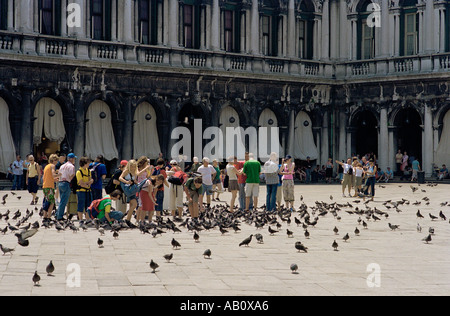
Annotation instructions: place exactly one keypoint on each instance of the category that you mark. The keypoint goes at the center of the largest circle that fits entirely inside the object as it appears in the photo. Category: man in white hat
(208, 173)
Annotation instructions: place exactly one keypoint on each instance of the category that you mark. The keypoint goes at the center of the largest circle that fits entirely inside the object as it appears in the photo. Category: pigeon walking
(168, 257)
(6, 250)
(300, 247)
(335, 245)
(100, 243)
(207, 253)
(50, 268)
(441, 215)
(154, 266)
(175, 244)
(36, 278)
(294, 268)
(427, 239)
(259, 238)
(246, 241)
(346, 237)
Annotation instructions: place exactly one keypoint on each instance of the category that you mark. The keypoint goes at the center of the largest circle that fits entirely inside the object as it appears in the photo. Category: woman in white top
(359, 174)
(233, 185)
(348, 172)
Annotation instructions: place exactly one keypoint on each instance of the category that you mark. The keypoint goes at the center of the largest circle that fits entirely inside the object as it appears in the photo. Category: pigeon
(356, 231)
(419, 228)
(300, 247)
(207, 253)
(115, 234)
(431, 230)
(246, 241)
(154, 266)
(101, 230)
(289, 233)
(50, 268)
(6, 250)
(223, 230)
(100, 243)
(168, 257)
(393, 227)
(441, 215)
(259, 238)
(364, 224)
(431, 216)
(294, 268)
(196, 236)
(272, 231)
(306, 234)
(175, 244)
(335, 245)
(336, 230)
(36, 278)
(418, 214)
(427, 239)
(346, 237)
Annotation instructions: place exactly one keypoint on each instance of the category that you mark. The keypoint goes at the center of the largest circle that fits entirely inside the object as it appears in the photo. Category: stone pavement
(378, 262)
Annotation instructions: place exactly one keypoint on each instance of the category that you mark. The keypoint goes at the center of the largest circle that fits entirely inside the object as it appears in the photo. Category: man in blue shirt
(415, 169)
(98, 166)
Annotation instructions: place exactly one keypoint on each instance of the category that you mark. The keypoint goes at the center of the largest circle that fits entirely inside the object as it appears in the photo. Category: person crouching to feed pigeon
(101, 208)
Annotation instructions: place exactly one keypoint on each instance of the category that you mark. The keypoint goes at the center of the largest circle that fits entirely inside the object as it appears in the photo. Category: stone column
(254, 35)
(215, 20)
(324, 140)
(427, 164)
(383, 148)
(392, 149)
(11, 12)
(429, 27)
(385, 29)
(325, 36)
(173, 23)
(290, 149)
(79, 139)
(127, 22)
(26, 130)
(342, 135)
(334, 29)
(291, 29)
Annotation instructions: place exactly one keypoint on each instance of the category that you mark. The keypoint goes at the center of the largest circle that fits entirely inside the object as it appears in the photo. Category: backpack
(93, 208)
(74, 183)
(178, 178)
(94, 174)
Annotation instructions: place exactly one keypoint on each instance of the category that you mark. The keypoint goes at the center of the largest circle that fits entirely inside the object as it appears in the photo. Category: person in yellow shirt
(33, 178)
(48, 185)
(84, 194)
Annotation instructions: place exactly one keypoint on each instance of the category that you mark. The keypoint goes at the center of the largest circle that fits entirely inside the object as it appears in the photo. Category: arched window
(101, 19)
(49, 17)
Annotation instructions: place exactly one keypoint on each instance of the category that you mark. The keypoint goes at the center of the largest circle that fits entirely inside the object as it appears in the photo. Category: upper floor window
(305, 30)
(190, 24)
(366, 32)
(231, 27)
(3, 14)
(409, 28)
(50, 17)
(269, 35)
(148, 22)
(101, 19)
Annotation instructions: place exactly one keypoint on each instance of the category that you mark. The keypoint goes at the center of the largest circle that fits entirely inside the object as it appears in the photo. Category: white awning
(49, 121)
(99, 132)
(304, 145)
(443, 150)
(7, 149)
(145, 132)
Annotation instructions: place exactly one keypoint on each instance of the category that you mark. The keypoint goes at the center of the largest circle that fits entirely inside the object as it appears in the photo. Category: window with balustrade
(190, 24)
(366, 31)
(50, 17)
(409, 28)
(305, 30)
(101, 19)
(231, 28)
(149, 21)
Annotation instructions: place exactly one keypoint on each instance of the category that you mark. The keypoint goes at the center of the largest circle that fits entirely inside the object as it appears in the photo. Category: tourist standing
(329, 170)
(308, 169)
(398, 161)
(84, 194)
(347, 172)
(271, 171)
(287, 170)
(159, 195)
(252, 169)
(415, 169)
(48, 185)
(129, 177)
(33, 178)
(233, 185)
(98, 166)
(65, 173)
(371, 174)
(176, 191)
(208, 173)
(17, 168)
(217, 181)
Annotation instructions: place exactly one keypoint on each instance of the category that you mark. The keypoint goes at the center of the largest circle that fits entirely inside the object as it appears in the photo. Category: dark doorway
(409, 132)
(366, 133)
(186, 118)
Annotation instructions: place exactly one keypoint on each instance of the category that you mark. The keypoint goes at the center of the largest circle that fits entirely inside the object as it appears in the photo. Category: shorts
(32, 185)
(216, 181)
(175, 196)
(358, 181)
(207, 189)
(233, 185)
(251, 189)
(288, 190)
(49, 194)
(194, 195)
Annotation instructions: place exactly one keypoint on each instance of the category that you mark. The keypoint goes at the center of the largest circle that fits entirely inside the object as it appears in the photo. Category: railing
(176, 57)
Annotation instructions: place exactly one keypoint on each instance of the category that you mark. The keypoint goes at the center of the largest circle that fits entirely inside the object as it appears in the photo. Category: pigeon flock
(298, 225)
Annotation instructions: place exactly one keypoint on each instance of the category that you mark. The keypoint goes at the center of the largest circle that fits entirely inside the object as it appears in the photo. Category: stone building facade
(357, 75)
